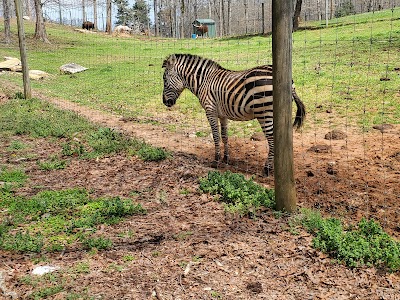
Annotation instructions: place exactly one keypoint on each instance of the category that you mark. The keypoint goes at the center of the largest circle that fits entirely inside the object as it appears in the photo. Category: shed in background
(210, 24)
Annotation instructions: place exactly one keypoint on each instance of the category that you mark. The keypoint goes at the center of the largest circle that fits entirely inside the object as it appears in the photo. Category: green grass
(125, 74)
(53, 220)
(79, 137)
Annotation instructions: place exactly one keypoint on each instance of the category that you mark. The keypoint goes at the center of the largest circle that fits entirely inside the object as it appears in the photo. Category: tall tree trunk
(296, 16)
(95, 14)
(155, 18)
(228, 22)
(83, 11)
(221, 18)
(108, 18)
(28, 9)
(245, 15)
(40, 29)
(7, 19)
(182, 19)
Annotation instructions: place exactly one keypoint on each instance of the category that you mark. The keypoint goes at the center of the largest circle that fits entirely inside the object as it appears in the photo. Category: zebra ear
(169, 61)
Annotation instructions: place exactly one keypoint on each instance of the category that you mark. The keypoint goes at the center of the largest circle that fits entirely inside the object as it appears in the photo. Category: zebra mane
(191, 57)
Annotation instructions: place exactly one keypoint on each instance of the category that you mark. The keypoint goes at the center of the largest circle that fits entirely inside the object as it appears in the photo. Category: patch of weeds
(22, 242)
(73, 148)
(150, 153)
(201, 133)
(13, 175)
(241, 195)
(82, 268)
(16, 145)
(215, 294)
(52, 220)
(184, 191)
(53, 164)
(99, 243)
(363, 244)
(183, 264)
(128, 258)
(114, 267)
(155, 253)
(46, 292)
(108, 141)
(183, 235)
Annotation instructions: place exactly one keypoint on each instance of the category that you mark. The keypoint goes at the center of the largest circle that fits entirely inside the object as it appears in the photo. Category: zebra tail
(301, 111)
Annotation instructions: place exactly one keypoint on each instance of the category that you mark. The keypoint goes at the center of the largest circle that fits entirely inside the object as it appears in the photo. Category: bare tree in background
(27, 9)
(95, 14)
(296, 16)
(155, 18)
(40, 29)
(108, 22)
(7, 18)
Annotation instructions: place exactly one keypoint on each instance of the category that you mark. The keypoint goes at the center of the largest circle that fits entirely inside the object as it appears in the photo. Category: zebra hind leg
(269, 164)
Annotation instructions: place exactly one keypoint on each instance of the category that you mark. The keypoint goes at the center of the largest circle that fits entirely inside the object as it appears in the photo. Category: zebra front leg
(269, 164)
(213, 120)
(224, 136)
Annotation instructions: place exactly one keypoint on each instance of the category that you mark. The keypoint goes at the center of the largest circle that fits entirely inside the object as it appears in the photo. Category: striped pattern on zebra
(225, 94)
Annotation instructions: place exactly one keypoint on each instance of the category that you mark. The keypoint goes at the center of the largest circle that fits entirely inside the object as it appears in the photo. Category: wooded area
(174, 18)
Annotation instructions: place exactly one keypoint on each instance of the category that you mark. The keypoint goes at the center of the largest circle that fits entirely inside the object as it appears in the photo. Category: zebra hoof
(214, 164)
(268, 170)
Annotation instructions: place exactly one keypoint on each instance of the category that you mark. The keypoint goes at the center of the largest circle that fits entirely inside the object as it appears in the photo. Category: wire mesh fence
(347, 72)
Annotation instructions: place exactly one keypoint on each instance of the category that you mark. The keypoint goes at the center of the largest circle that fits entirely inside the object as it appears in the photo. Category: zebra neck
(195, 78)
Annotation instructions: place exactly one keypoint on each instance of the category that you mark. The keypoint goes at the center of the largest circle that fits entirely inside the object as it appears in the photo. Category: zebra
(225, 94)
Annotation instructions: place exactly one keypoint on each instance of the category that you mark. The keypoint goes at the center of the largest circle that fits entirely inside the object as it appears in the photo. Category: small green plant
(107, 141)
(16, 145)
(128, 258)
(73, 149)
(241, 195)
(52, 164)
(99, 243)
(216, 295)
(52, 220)
(13, 175)
(150, 153)
(82, 268)
(183, 235)
(202, 133)
(46, 292)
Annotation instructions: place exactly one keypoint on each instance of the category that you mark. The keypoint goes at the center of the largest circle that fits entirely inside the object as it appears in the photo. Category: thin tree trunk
(7, 18)
(221, 18)
(95, 14)
(28, 9)
(296, 17)
(108, 21)
(40, 29)
(83, 11)
(182, 19)
(155, 18)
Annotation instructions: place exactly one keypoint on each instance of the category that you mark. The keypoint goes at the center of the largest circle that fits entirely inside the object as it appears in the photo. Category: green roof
(205, 21)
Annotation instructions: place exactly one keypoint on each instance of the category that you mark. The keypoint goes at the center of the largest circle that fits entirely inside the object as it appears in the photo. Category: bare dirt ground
(187, 247)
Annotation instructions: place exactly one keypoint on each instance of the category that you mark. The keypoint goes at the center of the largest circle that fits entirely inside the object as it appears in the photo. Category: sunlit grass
(340, 67)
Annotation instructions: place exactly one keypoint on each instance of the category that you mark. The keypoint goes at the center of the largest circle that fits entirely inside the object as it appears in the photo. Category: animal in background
(87, 25)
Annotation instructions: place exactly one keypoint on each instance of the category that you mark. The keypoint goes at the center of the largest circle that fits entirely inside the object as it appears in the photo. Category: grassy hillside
(348, 68)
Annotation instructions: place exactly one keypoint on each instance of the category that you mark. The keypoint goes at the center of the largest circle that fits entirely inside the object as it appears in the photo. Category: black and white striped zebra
(226, 94)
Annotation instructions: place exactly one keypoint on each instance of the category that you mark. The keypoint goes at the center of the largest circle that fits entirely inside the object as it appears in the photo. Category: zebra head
(173, 84)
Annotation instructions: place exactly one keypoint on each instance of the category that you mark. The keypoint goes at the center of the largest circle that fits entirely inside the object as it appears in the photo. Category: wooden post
(282, 18)
(22, 50)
